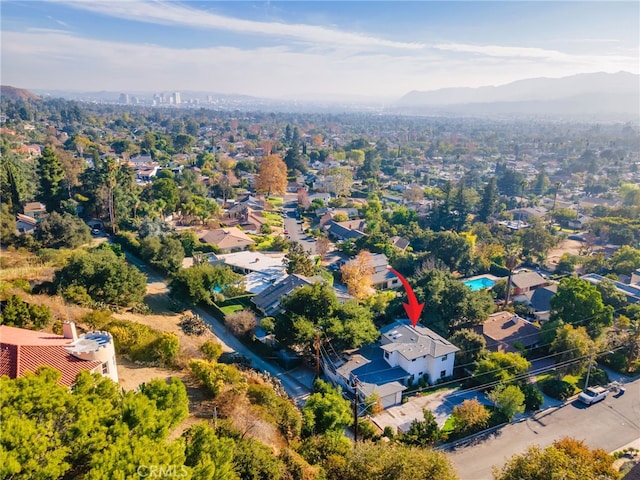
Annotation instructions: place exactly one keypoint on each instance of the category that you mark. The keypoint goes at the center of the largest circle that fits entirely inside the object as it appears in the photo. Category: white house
(418, 351)
(403, 356)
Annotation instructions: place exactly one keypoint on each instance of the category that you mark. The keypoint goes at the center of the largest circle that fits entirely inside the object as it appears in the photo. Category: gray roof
(540, 298)
(528, 280)
(269, 299)
(414, 342)
(372, 370)
(399, 242)
(347, 230)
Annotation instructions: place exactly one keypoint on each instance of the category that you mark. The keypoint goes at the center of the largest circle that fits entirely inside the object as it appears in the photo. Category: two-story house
(403, 355)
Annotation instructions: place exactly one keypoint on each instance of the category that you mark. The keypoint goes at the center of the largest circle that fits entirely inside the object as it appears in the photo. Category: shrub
(142, 343)
(241, 323)
(558, 389)
(533, 398)
(597, 377)
(18, 313)
(77, 294)
(215, 375)
(97, 319)
(211, 350)
(166, 348)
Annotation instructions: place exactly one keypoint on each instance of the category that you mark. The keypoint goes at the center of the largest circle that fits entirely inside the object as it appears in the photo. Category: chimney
(69, 331)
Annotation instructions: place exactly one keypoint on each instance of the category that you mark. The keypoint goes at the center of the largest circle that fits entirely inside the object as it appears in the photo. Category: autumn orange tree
(273, 176)
(357, 275)
(566, 458)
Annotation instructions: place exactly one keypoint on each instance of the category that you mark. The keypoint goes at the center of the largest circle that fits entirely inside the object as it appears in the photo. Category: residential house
(260, 269)
(349, 230)
(250, 201)
(418, 350)
(29, 150)
(35, 210)
(403, 355)
(25, 223)
(507, 332)
(591, 202)
(228, 240)
(24, 351)
(629, 290)
(524, 282)
(579, 223)
(539, 301)
(529, 212)
(382, 278)
(269, 301)
(399, 242)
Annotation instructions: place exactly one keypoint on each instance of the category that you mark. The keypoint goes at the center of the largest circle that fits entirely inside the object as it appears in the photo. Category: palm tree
(555, 195)
(523, 185)
(511, 261)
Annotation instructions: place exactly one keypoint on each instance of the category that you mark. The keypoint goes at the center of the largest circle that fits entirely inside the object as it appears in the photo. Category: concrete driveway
(441, 404)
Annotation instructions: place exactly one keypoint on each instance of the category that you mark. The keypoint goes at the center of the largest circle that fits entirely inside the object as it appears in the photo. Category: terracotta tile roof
(24, 351)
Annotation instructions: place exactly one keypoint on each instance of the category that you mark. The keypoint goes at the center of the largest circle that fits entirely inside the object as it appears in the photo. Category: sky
(309, 49)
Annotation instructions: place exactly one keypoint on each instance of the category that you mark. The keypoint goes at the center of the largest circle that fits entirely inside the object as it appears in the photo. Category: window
(105, 368)
(444, 357)
(386, 355)
(413, 360)
(443, 373)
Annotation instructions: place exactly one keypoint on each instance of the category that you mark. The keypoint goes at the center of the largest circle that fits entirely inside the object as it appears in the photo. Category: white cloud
(60, 60)
(168, 13)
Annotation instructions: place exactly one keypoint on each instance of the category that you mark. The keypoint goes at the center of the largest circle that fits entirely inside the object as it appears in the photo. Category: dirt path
(572, 247)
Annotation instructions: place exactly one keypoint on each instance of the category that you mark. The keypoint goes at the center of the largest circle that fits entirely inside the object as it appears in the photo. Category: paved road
(295, 229)
(610, 425)
(296, 382)
(296, 387)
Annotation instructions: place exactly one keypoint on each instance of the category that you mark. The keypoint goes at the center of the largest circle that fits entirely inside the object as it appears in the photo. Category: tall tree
(107, 277)
(325, 411)
(489, 201)
(357, 275)
(273, 176)
(572, 348)
(51, 176)
(509, 400)
(297, 260)
(579, 303)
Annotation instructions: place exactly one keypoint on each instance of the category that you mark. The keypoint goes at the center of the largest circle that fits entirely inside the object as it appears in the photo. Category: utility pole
(591, 355)
(317, 345)
(355, 408)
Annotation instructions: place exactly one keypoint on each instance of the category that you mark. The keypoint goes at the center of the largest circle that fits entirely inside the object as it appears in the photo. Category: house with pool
(481, 282)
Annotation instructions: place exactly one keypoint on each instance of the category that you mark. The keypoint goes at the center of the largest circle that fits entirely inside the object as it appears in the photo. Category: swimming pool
(480, 283)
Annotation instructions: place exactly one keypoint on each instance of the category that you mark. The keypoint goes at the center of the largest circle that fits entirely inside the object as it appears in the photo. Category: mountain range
(589, 94)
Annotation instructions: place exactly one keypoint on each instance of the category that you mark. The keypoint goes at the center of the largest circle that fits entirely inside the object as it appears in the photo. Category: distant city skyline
(309, 50)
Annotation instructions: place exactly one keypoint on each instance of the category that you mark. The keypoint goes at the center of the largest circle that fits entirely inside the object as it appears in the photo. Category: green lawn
(275, 202)
(231, 309)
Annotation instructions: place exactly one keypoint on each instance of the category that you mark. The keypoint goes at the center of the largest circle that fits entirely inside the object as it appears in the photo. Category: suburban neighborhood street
(610, 425)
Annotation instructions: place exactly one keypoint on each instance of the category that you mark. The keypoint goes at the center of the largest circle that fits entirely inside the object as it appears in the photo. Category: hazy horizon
(288, 50)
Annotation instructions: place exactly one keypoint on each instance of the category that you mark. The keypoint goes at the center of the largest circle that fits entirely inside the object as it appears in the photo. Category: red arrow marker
(413, 308)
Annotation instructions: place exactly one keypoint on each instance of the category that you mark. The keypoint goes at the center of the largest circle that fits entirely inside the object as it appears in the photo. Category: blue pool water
(480, 283)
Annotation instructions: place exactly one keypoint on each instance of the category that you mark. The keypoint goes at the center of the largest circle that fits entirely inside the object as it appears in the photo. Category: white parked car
(593, 395)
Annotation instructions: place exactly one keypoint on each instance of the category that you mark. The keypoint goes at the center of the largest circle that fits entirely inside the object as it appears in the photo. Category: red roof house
(24, 351)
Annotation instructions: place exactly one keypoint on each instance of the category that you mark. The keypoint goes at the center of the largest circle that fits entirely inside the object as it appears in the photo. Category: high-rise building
(124, 99)
(176, 98)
